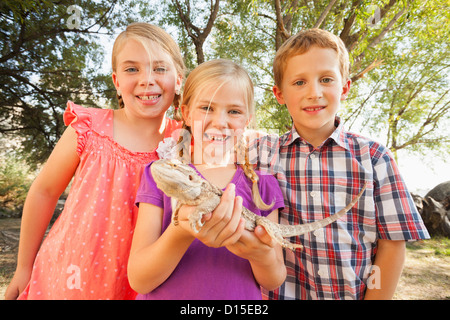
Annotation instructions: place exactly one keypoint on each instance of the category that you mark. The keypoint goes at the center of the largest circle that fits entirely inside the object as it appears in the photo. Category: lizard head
(176, 179)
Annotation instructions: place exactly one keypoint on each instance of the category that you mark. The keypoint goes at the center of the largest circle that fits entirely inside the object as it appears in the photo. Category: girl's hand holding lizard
(264, 255)
(224, 226)
(254, 246)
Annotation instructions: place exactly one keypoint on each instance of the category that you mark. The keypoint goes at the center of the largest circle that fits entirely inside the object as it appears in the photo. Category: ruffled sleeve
(81, 120)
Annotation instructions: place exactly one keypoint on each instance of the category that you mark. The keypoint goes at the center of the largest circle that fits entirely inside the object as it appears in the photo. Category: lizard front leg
(176, 205)
(208, 205)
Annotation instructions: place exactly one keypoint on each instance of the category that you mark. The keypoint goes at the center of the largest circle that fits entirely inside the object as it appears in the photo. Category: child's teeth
(149, 97)
(215, 138)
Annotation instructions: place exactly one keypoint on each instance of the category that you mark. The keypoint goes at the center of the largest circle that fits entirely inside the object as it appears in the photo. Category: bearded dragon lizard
(183, 184)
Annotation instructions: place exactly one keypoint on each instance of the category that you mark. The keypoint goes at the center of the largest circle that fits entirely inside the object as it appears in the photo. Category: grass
(437, 245)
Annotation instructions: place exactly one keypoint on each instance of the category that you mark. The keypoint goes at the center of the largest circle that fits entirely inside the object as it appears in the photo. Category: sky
(422, 174)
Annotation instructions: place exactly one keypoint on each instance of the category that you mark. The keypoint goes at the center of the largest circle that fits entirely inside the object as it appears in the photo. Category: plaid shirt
(336, 261)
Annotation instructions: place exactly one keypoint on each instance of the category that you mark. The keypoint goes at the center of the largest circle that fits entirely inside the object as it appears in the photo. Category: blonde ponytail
(242, 154)
(177, 105)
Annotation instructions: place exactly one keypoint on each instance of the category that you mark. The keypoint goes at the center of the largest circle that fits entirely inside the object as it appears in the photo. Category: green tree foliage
(15, 180)
(405, 101)
(49, 53)
(398, 51)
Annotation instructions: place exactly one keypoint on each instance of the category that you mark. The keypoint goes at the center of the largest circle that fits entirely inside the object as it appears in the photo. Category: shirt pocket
(360, 220)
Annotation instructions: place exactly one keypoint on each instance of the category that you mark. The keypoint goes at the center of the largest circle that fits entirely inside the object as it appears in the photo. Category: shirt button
(313, 194)
(312, 156)
(322, 273)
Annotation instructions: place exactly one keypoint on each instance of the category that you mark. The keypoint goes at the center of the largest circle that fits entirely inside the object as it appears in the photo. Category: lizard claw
(194, 228)
(194, 225)
(196, 222)
(289, 245)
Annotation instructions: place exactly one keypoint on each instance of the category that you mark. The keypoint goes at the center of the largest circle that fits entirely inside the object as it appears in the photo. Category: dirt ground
(426, 275)
(9, 240)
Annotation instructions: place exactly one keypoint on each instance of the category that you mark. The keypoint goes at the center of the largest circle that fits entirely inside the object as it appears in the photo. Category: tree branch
(362, 33)
(212, 18)
(200, 36)
(280, 25)
(391, 23)
(186, 21)
(324, 14)
(348, 23)
(375, 63)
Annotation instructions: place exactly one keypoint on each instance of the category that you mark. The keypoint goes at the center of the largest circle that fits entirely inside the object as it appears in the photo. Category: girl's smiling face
(147, 80)
(216, 116)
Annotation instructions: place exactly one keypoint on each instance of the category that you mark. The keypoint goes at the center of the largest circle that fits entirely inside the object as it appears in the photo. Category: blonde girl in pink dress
(86, 252)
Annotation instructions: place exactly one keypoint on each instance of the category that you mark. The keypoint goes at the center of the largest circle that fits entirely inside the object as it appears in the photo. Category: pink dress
(86, 252)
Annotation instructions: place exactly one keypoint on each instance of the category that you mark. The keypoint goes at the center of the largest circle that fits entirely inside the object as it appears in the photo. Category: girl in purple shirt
(222, 260)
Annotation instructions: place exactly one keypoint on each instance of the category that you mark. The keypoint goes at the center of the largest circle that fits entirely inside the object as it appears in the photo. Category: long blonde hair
(147, 34)
(221, 71)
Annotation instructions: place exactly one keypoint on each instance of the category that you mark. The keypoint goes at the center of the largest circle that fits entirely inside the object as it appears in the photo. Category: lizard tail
(296, 230)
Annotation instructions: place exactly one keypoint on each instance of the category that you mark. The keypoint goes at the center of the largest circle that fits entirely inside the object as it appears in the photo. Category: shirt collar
(290, 137)
(337, 136)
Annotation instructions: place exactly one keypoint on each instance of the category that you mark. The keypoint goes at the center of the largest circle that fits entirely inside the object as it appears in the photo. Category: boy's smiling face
(312, 88)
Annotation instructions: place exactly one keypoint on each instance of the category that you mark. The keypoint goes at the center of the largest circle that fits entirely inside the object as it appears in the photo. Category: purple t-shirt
(206, 273)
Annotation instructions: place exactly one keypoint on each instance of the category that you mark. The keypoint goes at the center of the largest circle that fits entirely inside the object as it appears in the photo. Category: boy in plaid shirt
(320, 168)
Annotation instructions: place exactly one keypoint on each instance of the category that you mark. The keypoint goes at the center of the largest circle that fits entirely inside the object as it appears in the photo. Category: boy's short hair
(302, 42)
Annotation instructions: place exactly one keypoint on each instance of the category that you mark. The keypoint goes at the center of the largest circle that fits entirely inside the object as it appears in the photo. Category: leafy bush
(15, 180)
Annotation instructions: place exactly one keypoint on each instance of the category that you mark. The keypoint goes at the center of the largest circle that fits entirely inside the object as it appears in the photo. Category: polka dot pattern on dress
(85, 254)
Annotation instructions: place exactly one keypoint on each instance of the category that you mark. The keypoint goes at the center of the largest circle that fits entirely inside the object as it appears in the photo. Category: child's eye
(160, 69)
(131, 69)
(235, 112)
(327, 80)
(299, 83)
(206, 108)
